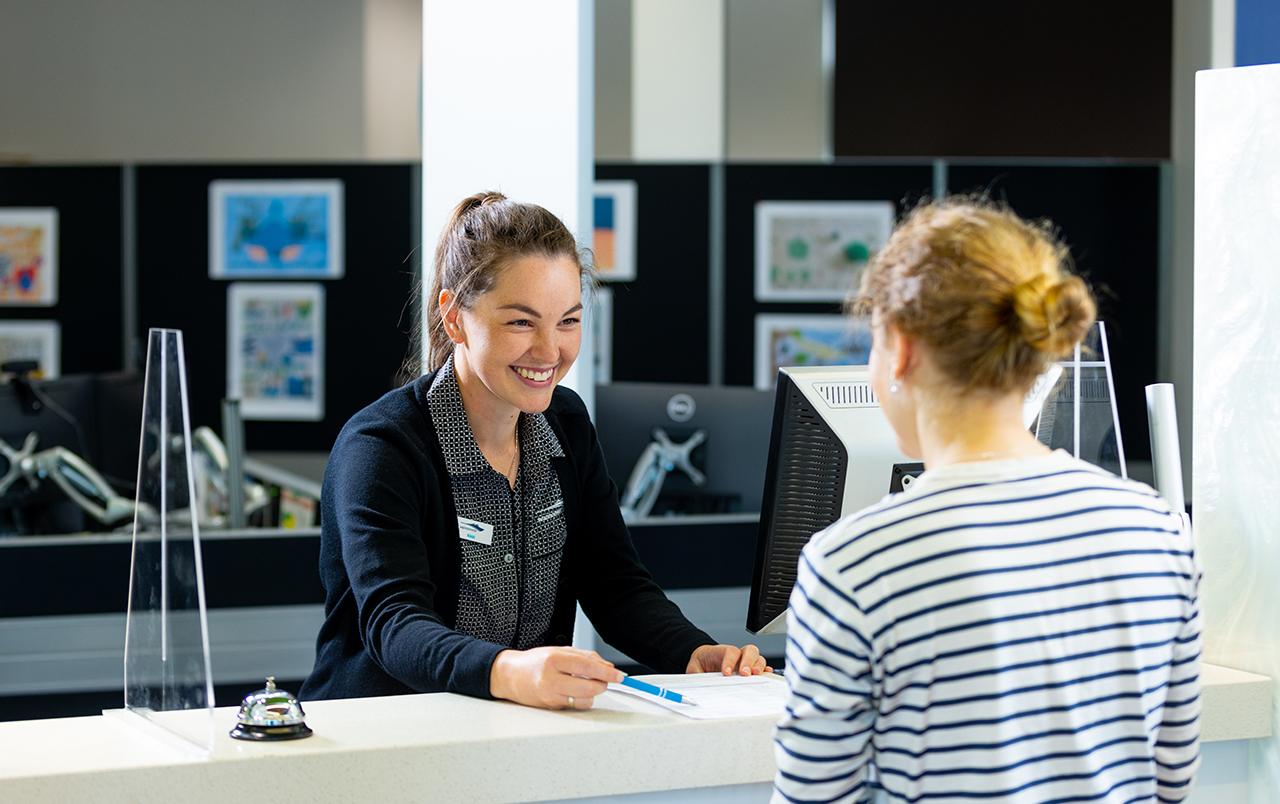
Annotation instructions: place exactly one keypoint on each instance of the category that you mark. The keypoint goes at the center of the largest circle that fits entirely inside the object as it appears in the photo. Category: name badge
(470, 530)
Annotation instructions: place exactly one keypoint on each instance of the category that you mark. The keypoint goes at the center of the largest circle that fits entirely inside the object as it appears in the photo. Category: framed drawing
(28, 256)
(816, 250)
(275, 229)
(40, 341)
(275, 349)
(808, 340)
(614, 238)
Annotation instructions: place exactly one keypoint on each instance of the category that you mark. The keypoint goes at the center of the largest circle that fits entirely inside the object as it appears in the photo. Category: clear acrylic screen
(167, 677)
(1100, 442)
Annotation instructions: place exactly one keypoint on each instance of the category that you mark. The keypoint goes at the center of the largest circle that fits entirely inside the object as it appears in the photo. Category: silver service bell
(270, 714)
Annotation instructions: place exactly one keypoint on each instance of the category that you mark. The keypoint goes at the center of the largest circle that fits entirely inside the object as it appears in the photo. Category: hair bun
(1053, 316)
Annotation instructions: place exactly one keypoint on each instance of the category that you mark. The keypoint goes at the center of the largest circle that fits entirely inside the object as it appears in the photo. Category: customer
(1017, 626)
(465, 515)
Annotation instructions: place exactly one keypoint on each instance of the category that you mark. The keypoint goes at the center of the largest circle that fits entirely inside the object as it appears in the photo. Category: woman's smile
(535, 377)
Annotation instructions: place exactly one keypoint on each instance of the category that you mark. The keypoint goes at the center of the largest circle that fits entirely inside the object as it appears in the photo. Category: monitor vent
(1093, 389)
(847, 394)
(809, 494)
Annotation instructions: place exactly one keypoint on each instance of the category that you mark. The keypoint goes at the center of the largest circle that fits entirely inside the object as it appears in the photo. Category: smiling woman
(466, 515)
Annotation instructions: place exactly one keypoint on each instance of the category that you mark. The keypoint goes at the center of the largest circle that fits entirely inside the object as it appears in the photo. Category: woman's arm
(823, 742)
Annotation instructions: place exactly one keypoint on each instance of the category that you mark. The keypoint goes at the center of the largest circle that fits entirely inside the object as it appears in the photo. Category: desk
(449, 748)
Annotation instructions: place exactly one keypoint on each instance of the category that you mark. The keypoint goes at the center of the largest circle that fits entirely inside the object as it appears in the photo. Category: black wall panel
(747, 184)
(366, 313)
(88, 200)
(660, 320)
(1004, 78)
(1109, 216)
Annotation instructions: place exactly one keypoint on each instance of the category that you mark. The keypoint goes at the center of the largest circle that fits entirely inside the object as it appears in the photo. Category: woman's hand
(728, 660)
(552, 678)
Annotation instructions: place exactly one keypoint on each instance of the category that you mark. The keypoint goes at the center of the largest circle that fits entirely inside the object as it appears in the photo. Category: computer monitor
(831, 453)
(119, 409)
(732, 457)
(68, 422)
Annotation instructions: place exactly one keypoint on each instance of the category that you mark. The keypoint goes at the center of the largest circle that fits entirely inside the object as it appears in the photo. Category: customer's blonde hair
(989, 294)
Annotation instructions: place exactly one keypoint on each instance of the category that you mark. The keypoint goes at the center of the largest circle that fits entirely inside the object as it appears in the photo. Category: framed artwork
(614, 238)
(816, 250)
(40, 341)
(28, 256)
(602, 332)
(275, 349)
(275, 229)
(808, 340)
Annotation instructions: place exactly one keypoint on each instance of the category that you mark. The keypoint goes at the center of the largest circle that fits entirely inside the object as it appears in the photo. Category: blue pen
(674, 697)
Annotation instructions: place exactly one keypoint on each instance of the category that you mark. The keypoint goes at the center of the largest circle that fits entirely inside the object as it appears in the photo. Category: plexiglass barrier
(166, 660)
(1080, 413)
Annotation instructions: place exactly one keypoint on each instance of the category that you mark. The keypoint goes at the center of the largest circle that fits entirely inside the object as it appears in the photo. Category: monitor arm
(659, 457)
(80, 481)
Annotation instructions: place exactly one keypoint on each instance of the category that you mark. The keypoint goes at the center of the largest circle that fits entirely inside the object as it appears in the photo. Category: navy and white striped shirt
(1018, 631)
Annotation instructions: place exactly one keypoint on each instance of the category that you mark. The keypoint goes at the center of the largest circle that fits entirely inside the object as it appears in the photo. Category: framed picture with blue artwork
(286, 229)
(804, 339)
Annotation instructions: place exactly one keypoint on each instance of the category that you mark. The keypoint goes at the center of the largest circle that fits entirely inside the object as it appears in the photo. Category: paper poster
(614, 239)
(33, 340)
(28, 256)
(808, 340)
(275, 349)
(275, 229)
(816, 250)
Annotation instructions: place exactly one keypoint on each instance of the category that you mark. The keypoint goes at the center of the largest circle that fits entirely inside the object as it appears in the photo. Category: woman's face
(519, 339)
(883, 365)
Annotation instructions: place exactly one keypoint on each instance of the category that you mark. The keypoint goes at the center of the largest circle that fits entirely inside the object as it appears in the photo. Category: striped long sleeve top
(1016, 631)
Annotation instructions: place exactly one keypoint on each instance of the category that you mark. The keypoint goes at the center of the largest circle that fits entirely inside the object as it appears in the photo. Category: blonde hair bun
(1053, 316)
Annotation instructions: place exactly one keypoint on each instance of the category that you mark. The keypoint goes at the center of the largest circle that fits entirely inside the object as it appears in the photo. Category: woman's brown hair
(989, 294)
(484, 234)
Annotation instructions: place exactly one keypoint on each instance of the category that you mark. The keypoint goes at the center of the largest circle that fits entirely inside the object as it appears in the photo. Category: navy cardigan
(390, 560)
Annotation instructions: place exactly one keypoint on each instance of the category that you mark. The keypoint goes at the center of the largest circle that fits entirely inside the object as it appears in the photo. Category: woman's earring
(893, 389)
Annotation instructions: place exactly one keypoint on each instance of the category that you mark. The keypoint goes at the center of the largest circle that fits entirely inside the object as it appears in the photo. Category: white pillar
(1236, 428)
(507, 106)
(677, 80)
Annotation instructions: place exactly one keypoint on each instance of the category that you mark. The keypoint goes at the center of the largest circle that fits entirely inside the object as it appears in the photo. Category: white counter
(447, 748)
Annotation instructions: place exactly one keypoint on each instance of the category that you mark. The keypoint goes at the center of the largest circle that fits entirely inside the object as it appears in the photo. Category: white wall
(613, 79)
(713, 79)
(392, 79)
(774, 108)
(153, 80)
(677, 80)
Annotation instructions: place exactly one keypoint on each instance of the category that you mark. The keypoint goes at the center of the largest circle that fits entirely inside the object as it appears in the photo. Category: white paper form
(719, 697)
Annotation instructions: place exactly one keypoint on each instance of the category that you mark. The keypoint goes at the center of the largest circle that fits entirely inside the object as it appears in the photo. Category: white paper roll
(1166, 454)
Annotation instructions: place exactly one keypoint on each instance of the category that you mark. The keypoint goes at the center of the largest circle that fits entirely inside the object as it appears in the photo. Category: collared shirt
(508, 587)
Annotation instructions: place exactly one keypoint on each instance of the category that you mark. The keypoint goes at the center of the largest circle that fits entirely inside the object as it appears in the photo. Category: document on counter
(719, 697)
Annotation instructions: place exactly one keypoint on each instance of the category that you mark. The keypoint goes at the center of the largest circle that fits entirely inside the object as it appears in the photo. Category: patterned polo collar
(462, 455)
